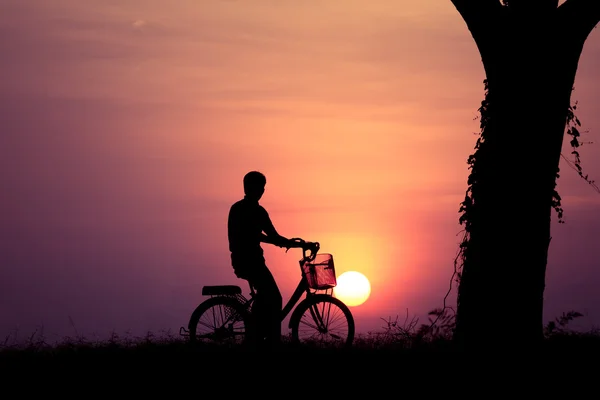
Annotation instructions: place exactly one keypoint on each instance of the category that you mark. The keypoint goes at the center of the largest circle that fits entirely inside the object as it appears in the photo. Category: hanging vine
(573, 125)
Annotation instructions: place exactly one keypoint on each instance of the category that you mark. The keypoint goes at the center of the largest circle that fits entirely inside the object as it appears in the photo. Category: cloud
(138, 23)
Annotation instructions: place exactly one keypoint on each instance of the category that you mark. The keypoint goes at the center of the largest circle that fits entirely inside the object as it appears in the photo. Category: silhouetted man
(249, 224)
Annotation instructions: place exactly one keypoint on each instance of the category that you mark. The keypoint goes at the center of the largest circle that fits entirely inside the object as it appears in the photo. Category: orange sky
(130, 126)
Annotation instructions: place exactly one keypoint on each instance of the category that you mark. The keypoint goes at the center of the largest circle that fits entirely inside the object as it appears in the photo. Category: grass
(428, 344)
(398, 336)
(376, 361)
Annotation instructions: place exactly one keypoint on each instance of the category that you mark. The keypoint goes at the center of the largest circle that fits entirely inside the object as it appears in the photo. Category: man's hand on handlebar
(303, 244)
(312, 246)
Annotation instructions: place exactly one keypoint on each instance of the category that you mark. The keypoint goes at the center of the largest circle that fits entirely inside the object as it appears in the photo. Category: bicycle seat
(221, 290)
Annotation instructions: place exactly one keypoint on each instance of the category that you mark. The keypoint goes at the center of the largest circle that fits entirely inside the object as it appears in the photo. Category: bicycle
(227, 313)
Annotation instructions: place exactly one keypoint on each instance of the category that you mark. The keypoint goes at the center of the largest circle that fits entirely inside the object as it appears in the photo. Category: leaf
(557, 196)
(575, 132)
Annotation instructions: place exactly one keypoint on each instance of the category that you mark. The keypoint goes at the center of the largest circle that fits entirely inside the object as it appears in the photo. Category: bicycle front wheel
(219, 320)
(324, 321)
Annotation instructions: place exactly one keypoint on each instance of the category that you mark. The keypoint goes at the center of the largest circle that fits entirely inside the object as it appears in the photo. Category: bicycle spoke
(220, 322)
(323, 322)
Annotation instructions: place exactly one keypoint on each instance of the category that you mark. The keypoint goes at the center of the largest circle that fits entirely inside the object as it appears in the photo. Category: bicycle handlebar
(312, 246)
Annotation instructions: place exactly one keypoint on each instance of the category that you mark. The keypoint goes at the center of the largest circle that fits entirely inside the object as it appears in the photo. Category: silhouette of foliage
(573, 124)
(559, 325)
(401, 331)
(410, 334)
(440, 327)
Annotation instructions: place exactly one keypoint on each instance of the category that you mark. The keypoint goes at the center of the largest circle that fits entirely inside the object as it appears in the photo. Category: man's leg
(248, 273)
(258, 311)
(267, 305)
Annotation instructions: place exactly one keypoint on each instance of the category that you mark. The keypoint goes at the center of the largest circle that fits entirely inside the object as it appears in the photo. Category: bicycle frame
(301, 289)
(293, 300)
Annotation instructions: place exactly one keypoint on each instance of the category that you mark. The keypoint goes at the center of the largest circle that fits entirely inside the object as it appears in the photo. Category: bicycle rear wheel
(323, 321)
(219, 320)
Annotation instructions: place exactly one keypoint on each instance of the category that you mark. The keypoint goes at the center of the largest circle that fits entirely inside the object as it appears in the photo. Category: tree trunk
(503, 278)
(530, 68)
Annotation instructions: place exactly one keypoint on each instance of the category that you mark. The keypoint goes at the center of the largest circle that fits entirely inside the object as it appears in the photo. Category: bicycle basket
(320, 273)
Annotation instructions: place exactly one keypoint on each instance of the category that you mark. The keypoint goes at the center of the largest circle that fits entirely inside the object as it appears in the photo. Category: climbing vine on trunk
(467, 205)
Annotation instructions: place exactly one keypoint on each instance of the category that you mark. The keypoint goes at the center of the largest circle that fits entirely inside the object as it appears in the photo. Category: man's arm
(271, 235)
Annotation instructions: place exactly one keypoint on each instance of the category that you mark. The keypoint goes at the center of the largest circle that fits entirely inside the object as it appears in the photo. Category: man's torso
(245, 225)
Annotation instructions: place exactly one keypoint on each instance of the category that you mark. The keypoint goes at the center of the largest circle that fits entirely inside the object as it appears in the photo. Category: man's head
(254, 185)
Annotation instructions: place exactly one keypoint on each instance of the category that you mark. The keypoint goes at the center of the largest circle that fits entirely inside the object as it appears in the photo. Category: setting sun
(353, 288)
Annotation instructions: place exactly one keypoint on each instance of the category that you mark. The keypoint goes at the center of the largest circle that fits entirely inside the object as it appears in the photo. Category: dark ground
(367, 371)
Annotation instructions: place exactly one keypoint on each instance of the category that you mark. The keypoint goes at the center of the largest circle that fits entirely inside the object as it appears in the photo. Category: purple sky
(126, 128)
